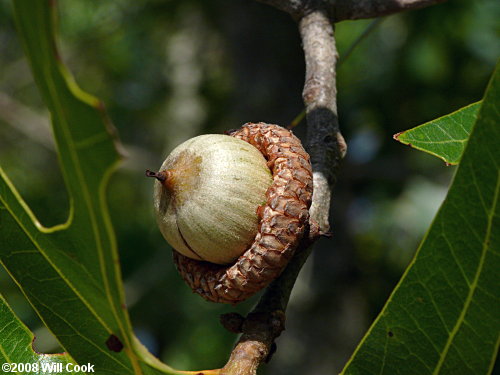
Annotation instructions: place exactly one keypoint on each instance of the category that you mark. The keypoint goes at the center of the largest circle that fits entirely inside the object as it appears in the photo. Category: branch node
(233, 322)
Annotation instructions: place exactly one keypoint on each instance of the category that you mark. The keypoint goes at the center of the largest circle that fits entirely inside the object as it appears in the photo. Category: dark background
(170, 70)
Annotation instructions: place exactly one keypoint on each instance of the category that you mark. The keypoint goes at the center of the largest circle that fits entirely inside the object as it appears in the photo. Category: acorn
(207, 195)
(234, 208)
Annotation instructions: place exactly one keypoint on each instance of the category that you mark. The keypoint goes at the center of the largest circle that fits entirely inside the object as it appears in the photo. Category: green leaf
(16, 347)
(69, 272)
(444, 137)
(443, 318)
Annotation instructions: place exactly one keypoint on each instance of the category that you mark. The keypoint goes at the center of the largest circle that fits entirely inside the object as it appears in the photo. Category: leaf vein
(472, 289)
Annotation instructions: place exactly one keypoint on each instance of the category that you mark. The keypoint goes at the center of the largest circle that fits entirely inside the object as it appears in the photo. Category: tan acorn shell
(206, 209)
(283, 221)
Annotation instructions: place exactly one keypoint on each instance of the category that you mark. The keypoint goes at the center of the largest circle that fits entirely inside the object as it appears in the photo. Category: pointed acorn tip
(159, 176)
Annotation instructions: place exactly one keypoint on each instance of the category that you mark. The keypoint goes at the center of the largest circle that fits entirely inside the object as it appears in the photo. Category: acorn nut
(234, 208)
(207, 195)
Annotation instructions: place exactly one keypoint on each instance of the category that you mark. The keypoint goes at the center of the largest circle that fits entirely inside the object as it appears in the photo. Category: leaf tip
(397, 137)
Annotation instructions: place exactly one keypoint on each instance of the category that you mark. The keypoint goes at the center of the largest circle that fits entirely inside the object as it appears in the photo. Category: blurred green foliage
(168, 70)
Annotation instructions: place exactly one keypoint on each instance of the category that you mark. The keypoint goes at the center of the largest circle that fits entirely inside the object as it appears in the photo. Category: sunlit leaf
(444, 137)
(16, 348)
(443, 317)
(70, 272)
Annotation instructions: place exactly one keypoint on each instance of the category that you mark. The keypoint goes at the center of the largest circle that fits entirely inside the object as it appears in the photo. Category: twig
(340, 10)
(298, 119)
(326, 147)
(325, 144)
(354, 10)
(267, 320)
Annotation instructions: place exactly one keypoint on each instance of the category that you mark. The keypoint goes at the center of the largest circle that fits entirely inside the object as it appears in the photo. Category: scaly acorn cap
(284, 219)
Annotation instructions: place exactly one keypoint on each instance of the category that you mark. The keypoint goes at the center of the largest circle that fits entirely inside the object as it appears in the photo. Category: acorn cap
(283, 221)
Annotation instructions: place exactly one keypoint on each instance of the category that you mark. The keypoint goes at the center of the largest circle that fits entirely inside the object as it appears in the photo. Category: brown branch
(353, 10)
(266, 321)
(326, 147)
(293, 7)
(340, 10)
(325, 144)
